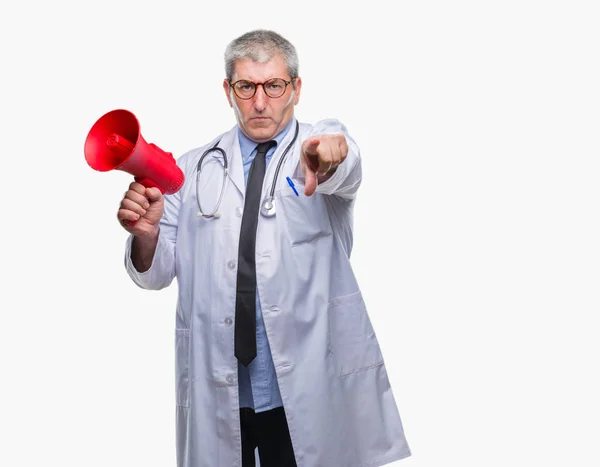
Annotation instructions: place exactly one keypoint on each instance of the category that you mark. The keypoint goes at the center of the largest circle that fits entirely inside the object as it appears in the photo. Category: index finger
(137, 187)
(310, 145)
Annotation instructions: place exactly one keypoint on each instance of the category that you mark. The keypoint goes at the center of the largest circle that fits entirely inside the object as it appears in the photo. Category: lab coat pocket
(305, 217)
(353, 342)
(182, 367)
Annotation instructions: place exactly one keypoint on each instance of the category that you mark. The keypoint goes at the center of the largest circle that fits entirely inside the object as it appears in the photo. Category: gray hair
(260, 46)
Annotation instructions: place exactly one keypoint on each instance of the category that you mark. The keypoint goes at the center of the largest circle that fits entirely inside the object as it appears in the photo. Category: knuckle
(137, 187)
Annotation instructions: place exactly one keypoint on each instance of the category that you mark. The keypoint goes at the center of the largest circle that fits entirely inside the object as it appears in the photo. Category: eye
(274, 86)
(244, 85)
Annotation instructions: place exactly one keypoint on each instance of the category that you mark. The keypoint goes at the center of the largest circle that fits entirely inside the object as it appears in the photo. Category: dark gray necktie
(245, 298)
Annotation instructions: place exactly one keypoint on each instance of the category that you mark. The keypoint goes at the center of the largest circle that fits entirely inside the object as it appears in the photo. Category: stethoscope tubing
(267, 208)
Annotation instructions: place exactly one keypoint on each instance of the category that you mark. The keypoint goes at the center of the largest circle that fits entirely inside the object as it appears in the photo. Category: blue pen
(290, 183)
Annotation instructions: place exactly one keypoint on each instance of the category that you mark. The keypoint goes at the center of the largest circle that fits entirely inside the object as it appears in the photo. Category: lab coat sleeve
(162, 270)
(346, 179)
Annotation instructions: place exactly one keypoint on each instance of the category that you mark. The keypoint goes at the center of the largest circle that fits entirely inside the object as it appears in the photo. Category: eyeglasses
(274, 88)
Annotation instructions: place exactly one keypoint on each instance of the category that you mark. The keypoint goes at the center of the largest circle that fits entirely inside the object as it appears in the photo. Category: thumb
(153, 194)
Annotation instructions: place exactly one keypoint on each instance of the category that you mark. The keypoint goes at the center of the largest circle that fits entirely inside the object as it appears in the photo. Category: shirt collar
(247, 146)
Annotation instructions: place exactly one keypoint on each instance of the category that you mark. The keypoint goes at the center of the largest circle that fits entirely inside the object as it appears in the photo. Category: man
(274, 347)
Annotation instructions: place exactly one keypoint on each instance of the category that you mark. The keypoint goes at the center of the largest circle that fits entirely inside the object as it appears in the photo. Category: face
(262, 117)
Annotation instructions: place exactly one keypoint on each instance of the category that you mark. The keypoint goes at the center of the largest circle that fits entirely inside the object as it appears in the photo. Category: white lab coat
(335, 389)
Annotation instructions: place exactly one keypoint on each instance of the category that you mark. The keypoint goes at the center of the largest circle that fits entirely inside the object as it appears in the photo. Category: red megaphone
(115, 142)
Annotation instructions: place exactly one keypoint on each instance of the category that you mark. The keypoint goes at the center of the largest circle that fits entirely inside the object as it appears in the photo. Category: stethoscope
(267, 207)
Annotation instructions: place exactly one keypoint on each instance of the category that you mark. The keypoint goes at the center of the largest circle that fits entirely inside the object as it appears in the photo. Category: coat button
(231, 264)
(239, 212)
(228, 321)
(229, 379)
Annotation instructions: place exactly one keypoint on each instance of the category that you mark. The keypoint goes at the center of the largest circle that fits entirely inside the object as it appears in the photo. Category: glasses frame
(256, 85)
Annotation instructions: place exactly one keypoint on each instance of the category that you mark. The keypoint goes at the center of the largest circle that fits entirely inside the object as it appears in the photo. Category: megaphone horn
(115, 142)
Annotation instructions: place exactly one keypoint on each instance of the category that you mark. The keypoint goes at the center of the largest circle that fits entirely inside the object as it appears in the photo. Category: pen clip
(291, 184)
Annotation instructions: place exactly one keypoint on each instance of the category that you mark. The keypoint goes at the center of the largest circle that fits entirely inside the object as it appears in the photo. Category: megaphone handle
(148, 183)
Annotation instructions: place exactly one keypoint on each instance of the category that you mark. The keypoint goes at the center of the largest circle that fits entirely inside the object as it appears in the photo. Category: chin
(260, 132)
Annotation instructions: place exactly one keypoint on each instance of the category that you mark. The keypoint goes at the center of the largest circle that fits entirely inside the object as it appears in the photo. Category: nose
(260, 99)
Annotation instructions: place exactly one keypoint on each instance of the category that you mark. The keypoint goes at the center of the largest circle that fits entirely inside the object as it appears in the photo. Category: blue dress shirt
(258, 386)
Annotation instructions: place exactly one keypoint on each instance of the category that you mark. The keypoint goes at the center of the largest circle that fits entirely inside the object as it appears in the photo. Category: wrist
(148, 237)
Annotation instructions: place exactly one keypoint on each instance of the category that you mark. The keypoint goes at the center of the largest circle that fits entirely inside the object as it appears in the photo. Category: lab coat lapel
(277, 155)
(231, 143)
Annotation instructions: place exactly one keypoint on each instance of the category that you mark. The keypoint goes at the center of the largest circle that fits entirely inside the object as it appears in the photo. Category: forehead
(254, 71)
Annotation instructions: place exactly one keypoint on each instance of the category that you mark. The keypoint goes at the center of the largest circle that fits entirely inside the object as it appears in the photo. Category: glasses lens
(275, 87)
(244, 89)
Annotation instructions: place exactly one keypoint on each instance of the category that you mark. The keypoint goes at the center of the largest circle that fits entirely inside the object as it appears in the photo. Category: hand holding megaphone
(115, 142)
(141, 209)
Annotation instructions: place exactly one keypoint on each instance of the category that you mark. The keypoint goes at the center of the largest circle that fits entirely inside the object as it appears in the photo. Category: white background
(477, 229)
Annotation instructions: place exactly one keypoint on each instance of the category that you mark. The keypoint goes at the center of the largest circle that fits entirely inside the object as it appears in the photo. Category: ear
(227, 93)
(298, 89)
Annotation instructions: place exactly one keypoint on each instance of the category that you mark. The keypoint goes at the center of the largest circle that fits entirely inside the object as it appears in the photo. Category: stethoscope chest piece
(267, 207)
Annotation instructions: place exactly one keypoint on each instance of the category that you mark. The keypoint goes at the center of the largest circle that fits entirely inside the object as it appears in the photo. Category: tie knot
(263, 148)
